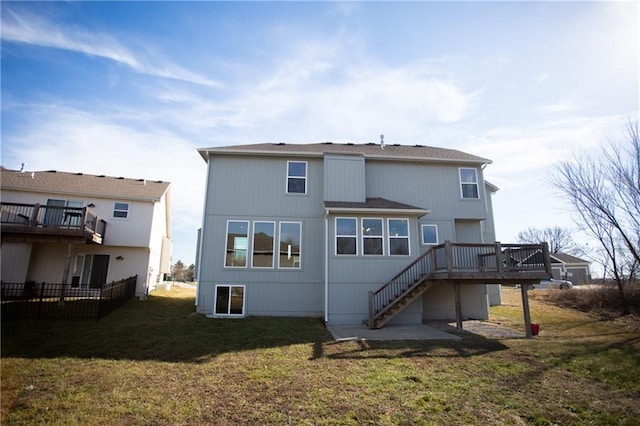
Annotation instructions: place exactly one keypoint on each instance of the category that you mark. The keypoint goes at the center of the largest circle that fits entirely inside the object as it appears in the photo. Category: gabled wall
(344, 178)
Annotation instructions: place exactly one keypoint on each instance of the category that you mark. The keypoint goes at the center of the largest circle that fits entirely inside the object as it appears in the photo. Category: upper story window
(296, 177)
(121, 210)
(237, 243)
(469, 183)
(398, 237)
(429, 234)
(372, 236)
(346, 235)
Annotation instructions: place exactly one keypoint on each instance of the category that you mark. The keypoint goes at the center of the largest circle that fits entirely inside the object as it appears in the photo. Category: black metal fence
(37, 301)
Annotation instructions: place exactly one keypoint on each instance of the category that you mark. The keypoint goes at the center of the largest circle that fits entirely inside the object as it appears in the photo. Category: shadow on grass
(468, 346)
(167, 329)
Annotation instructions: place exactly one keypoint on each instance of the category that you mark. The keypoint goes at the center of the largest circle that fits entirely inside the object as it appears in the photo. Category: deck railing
(41, 219)
(459, 259)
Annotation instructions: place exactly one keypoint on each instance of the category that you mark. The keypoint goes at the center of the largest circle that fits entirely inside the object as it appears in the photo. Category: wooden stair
(398, 304)
(397, 294)
(458, 263)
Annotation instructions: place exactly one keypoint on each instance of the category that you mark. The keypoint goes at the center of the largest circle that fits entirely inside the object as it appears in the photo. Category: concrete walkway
(389, 332)
(436, 330)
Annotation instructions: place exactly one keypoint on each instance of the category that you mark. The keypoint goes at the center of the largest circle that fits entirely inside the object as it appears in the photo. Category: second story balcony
(41, 221)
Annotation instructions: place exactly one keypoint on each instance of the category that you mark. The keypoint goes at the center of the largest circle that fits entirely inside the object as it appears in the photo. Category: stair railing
(416, 271)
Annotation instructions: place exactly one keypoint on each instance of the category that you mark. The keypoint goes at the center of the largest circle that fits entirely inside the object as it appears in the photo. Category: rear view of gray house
(352, 233)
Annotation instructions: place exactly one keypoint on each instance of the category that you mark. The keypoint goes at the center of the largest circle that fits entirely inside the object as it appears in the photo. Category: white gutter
(326, 266)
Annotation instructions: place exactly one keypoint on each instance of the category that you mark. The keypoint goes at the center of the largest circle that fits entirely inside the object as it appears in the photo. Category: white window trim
(226, 240)
(408, 237)
(244, 301)
(422, 234)
(306, 174)
(288, 268)
(476, 183)
(273, 246)
(381, 236)
(335, 240)
(114, 210)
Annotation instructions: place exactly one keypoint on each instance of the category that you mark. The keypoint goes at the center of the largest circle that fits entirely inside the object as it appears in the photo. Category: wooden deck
(460, 264)
(35, 222)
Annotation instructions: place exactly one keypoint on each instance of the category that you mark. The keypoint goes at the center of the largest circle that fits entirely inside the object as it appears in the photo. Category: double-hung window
(237, 243)
(469, 183)
(296, 177)
(121, 210)
(372, 236)
(289, 245)
(398, 237)
(429, 234)
(346, 235)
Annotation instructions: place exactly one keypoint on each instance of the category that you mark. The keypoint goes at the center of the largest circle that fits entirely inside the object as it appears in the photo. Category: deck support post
(456, 290)
(65, 274)
(524, 289)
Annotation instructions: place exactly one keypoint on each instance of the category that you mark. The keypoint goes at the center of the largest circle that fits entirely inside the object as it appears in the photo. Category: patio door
(90, 270)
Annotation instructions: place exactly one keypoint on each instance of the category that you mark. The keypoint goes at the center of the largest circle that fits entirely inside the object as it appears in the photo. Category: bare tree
(559, 239)
(604, 192)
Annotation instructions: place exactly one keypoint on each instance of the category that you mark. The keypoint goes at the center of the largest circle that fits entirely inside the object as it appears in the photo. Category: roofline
(582, 261)
(412, 212)
(84, 194)
(205, 153)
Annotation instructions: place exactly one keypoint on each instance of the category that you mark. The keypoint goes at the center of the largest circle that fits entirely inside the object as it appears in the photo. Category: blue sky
(134, 88)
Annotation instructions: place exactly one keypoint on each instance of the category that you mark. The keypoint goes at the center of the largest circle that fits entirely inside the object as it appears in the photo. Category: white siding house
(84, 230)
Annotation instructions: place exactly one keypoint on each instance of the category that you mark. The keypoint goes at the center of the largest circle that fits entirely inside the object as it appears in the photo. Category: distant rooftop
(368, 150)
(57, 182)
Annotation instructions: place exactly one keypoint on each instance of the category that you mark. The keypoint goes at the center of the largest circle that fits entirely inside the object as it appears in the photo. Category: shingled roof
(56, 182)
(374, 205)
(368, 150)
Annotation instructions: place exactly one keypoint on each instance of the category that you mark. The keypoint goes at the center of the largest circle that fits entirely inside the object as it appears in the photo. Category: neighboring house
(84, 230)
(570, 268)
(311, 229)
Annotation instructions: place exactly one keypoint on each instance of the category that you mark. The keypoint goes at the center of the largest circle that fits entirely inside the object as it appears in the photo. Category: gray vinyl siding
(430, 186)
(254, 189)
(344, 178)
(352, 277)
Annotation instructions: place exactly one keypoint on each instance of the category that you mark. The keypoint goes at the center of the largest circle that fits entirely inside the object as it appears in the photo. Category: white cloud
(33, 29)
(66, 139)
(523, 153)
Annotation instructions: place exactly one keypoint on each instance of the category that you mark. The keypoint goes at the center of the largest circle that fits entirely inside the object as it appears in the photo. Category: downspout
(326, 266)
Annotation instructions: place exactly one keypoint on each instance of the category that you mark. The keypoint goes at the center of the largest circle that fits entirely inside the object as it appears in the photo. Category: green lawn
(155, 362)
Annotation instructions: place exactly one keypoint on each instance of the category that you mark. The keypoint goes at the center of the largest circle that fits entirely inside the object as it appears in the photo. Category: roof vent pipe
(22, 168)
(382, 141)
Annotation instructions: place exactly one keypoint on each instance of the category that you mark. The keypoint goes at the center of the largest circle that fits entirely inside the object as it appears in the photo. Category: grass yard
(157, 363)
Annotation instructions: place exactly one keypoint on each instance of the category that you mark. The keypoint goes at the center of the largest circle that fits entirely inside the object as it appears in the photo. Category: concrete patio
(436, 330)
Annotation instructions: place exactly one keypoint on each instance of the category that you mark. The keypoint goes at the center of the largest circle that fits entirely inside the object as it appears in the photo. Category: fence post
(449, 256)
(499, 256)
(41, 301)
(99, 313)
